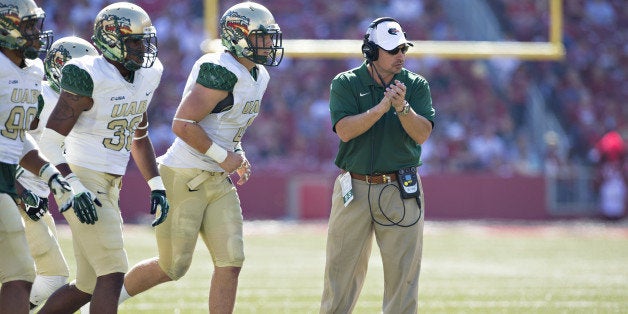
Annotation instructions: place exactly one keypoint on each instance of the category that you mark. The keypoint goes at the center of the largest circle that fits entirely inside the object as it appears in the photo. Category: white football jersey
(50, 101)
(225, 128)
(19, 90)
(101, 138)
(29, 180)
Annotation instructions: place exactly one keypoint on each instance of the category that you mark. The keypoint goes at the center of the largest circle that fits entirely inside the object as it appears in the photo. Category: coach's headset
(370, 50)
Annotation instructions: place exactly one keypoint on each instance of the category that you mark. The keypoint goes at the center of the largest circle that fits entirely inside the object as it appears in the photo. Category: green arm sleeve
(40, 105)
(76, 80)
(215, 76)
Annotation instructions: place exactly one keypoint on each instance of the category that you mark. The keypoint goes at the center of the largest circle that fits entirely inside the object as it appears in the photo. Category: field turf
(468, 267)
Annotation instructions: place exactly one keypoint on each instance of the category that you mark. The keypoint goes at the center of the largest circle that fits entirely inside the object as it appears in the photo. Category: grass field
(468, 267)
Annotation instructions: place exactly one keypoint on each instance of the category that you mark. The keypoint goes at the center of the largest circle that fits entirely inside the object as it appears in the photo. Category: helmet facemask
(21, 27)
(259, 53)
(35, 41)
(140, 51)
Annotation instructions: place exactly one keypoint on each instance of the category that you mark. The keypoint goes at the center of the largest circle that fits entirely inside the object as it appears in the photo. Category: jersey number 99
(18, 122)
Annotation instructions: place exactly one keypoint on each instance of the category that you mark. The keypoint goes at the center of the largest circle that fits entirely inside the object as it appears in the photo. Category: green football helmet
(61, 51)
(243, 29)
(21, 23)
(117, 27)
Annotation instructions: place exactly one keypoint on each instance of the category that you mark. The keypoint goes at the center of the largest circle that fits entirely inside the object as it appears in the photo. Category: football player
(101, 120)
(21, 42)
(50, 265)
(220, 100)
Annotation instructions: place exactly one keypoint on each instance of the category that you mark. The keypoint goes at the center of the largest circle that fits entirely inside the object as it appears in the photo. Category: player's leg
(143, 276)
(176, 236)
(401, 251)
(14, 296)
(51, 266)
(43, 287)
(106, 293)
(67, 299)
(349, 242)
(17, 268)
(103, 248)
(98, 248)
(222, 234)
(222, 292)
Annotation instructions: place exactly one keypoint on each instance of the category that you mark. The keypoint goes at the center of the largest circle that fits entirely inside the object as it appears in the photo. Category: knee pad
(179, 266)
(44, 286)
(233, 256)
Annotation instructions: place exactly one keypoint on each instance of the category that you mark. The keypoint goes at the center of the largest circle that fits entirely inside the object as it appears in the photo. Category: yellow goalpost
(345, 48)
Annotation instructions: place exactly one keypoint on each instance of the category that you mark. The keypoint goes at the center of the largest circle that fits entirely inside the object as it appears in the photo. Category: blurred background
(513, 139)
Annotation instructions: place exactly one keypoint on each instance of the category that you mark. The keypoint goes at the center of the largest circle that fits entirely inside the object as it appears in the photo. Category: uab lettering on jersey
(251, 107)
(20, 117)
(123, 127)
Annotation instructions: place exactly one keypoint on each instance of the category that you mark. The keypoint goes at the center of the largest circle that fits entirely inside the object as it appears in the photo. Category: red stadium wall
(308, 196)
(466, 196)
(483, 196)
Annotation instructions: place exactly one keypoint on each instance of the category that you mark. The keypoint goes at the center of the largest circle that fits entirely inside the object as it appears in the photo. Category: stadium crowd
(481, 121)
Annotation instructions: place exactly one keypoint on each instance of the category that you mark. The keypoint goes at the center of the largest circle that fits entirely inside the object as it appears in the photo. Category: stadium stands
(482, 115)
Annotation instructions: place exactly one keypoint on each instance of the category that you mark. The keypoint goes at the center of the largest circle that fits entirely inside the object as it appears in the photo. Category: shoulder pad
(76, 80)
(215, 76)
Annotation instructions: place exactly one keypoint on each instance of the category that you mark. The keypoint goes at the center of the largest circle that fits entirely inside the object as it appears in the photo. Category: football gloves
(158, 202)
(84, 201)
(159, 206)
(34, 206)
(59, 187)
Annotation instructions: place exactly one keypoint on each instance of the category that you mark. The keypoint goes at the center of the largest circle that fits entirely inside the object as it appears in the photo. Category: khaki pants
(349, 242)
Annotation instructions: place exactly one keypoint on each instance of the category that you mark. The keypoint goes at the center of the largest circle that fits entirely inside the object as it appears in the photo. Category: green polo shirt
(385, 147)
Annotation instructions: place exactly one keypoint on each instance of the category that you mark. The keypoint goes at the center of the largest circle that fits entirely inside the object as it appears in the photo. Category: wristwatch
(405, 110)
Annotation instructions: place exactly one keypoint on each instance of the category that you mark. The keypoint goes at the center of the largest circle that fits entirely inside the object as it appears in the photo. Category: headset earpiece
(370, 50)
